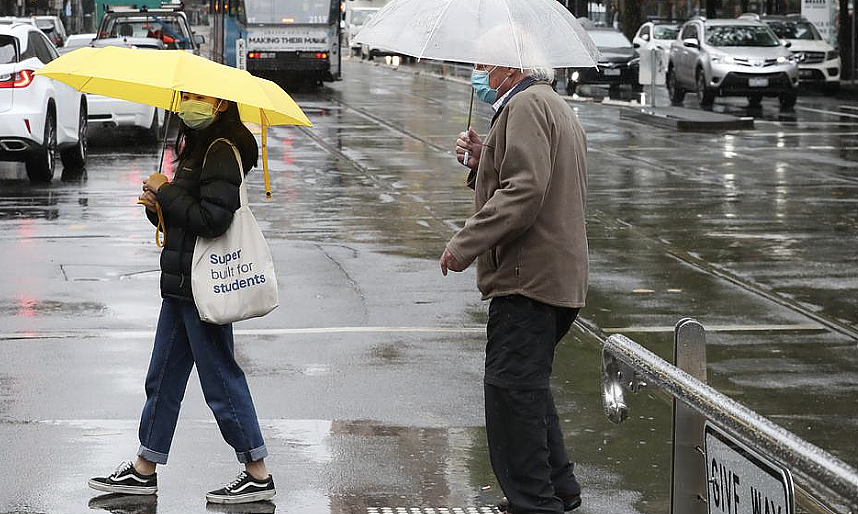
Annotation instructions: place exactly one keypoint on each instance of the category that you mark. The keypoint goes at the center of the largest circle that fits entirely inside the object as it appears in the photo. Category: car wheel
(831, 88)
(755, 100)
(153, 133)
(75, 157)
(674, 90)
(571, 87)
(705, 96)
(787, 100)
(42, 163)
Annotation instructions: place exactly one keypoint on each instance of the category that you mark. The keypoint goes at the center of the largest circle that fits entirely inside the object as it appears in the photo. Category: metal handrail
(818, 469)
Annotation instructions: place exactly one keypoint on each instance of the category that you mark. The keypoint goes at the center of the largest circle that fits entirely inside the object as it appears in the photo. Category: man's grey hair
(543, 74)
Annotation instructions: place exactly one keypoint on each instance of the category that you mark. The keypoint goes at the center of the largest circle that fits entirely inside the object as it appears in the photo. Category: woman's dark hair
(228, 125)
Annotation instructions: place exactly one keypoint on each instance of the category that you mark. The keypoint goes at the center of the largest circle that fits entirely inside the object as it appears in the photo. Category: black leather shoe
(569, 503)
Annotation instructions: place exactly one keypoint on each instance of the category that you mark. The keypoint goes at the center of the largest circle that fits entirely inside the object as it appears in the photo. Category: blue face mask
(480, 83)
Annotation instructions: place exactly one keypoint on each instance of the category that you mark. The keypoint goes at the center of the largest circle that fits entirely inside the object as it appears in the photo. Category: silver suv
(731, 58)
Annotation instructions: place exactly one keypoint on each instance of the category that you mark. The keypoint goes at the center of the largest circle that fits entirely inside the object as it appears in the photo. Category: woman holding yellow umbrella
(213, 148)
(199, 202)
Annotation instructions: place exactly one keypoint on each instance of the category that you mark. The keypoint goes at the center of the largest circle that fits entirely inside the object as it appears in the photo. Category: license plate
(742, 481)
(758, 82)
(610, 72)
(805, 74)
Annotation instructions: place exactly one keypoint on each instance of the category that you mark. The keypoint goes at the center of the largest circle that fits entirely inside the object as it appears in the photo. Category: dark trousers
(182, 341)
(526, 445)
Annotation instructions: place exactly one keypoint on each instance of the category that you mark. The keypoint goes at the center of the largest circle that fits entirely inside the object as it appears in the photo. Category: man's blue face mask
(480, 83)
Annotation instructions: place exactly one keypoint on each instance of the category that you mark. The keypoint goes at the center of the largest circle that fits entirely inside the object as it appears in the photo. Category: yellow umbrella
(157, 78)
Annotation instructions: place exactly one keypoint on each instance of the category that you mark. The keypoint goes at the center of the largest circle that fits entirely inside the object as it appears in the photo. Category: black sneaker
(569, 503)
(126, 480)
(244, 489)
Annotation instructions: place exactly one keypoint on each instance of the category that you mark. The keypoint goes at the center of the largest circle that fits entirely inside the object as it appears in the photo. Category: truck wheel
(74, 157)
(787, 100)
(42, 162)
(674, 90)
(705, 96)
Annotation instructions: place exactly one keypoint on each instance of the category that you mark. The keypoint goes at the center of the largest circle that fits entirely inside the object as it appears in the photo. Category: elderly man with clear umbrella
(529, 240)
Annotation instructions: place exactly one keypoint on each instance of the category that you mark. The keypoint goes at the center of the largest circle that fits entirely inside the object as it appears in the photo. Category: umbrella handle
(264, 122)
(161, 228)
(468, 128)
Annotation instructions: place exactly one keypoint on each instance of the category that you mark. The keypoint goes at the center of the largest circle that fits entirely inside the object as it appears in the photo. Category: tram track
(672, 250)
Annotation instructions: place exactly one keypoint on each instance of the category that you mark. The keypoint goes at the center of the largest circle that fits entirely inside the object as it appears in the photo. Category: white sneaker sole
(122, 489)
(241, 498)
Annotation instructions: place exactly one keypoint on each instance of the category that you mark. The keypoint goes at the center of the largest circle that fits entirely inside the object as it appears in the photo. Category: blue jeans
(181, 341)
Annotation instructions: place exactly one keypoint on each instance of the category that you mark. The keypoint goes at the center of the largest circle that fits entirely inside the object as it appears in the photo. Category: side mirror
(645, 37)
(691, 43)
(786, 43)
(199, 39)
(636, 45)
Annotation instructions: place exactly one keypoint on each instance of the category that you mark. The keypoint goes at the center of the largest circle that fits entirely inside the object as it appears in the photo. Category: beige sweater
(528, 233)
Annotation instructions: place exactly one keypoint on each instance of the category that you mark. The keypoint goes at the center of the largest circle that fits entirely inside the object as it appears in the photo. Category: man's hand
(154, 182)
(448, 262)
(469, 142)
(148, 200)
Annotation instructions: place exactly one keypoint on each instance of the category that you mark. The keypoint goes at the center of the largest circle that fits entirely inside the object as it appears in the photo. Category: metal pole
(654, 55)
(852, 37)
(688, 486)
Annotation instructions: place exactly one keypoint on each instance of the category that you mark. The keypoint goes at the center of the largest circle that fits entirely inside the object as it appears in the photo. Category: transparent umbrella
(513, 33)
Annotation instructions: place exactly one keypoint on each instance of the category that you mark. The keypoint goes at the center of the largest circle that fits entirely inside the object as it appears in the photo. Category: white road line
(720, 328)
(823, 111)
(146, 334)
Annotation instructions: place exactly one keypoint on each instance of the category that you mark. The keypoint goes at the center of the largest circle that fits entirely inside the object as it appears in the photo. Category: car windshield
(609, 39)
(359, 16)
(166, 28)
(740, 35)
(794, 29)
(8, 53)
(665, 31)
(288, 11)
(45, 24)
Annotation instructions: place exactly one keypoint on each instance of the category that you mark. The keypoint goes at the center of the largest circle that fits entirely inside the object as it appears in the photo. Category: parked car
(618, 64)
(724, 57)
(39, 117)
(153, 29)
(355, 18)
(656, 33)
(818, 62)
(76, 41)
(170, 26)
(53, 27)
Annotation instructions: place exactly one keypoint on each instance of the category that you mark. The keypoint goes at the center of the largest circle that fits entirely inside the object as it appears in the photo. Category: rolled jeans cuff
(151, 455)
(253, 455)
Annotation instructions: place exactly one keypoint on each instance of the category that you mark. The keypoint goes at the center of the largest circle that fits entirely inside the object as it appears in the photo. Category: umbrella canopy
(513, 33)
(152, 77)
(158, 78)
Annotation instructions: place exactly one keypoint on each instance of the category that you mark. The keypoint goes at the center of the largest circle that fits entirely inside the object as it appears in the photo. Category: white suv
(818, 61)
(39, 117)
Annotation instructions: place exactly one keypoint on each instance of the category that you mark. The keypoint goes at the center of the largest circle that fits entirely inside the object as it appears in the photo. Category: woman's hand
(154, 182)
(148, 200)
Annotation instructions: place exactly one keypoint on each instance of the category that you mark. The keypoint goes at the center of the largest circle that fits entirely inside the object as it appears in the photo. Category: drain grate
(431, 510)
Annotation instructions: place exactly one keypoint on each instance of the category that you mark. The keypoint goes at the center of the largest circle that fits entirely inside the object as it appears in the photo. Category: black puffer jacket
(200, 201)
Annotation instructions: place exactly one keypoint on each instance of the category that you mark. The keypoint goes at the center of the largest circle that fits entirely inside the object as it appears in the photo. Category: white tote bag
(232, 276)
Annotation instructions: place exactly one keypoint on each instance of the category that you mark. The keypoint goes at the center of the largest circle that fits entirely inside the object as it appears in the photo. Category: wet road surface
(367, 379)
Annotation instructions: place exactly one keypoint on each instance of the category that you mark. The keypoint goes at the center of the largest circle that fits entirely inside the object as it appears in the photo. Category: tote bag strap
(242, 190)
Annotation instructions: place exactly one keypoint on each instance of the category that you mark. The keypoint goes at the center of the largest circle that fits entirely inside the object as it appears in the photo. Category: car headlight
(723, 59)
(832, 54)
(783, 59)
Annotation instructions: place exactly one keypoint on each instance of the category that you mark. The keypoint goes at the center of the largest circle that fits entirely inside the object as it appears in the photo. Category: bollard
(688, 487)
(653, 66)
